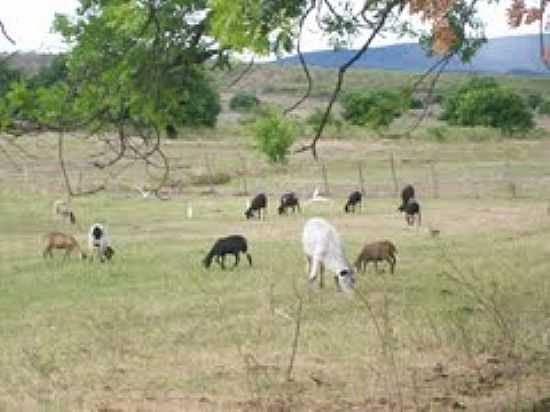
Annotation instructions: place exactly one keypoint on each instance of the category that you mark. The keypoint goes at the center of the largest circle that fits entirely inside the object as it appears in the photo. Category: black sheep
(406, 194)
(289, 200)
(353, 199)
(411, 209)
(233, 245)
(258, 203)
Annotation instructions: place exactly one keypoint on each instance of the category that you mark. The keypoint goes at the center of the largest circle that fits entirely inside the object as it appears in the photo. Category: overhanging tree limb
(341, 73)
(5, 33)
(302, 60)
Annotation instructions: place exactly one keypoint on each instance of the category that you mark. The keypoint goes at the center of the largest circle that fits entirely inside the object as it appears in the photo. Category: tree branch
(341, 73)
(302, 60)
(5, 33)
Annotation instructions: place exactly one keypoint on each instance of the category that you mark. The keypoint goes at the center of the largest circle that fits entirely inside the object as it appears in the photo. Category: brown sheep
(58, 240)
(375, 252)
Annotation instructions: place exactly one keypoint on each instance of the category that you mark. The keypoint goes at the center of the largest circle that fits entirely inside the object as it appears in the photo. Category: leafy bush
(200, 105)
(416, 103)
(545, 107)
(7, 76)
(482, 102)
(375, 109)
(244, 102)
(56, 71)
(534, 101)
(314, 120)
(274, 135)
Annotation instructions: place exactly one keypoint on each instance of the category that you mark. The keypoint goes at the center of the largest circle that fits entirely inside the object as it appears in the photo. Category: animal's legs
(391, 261)
(236, 259)
(314, 267)
(47, 252)
(249, 259)
(322, 276)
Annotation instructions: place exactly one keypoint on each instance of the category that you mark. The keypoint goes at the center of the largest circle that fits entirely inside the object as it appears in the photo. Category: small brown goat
(375, 252)
(58, 240)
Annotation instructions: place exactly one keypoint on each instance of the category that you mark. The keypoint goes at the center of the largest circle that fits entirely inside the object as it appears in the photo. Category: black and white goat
(354, 198)
(289, 201)
(323, 247)
(258, 204)
(99, 242)
(232, 245)
(406, 194)
(62, 209)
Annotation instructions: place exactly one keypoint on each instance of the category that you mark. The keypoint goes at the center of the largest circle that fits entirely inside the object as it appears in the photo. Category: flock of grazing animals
(99, 242)
(321, 242)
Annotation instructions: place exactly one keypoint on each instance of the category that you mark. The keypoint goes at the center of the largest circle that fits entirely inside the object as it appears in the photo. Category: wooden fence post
(510, 184)
(209, 172)
(243, 174)
(394, 174)
(325, 179)
(435, 181)
(361, 179)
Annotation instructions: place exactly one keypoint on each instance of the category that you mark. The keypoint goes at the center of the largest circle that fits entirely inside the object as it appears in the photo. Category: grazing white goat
(99, 241)
(323, 247)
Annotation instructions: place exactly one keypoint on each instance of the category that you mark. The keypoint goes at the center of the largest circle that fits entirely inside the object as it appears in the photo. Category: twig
(241, 76)
(303, 61)
(5, 33)
(298, 320)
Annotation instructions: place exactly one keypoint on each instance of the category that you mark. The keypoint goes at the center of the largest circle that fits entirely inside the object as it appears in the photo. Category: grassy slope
(270, 78)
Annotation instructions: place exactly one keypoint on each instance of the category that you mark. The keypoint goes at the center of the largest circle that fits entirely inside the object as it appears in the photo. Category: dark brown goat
(376, 252)
(258, 204)
(289, 201)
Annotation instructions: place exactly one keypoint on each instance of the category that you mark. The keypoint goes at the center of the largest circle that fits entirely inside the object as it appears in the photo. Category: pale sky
(29, 22)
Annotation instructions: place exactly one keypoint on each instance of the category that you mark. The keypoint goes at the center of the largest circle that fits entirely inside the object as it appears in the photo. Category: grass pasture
(464, 323)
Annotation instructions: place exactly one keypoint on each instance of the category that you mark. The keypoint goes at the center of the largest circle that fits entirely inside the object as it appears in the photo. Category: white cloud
(29, 23)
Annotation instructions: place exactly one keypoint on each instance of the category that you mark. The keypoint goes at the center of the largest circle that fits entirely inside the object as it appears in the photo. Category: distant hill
(504, 55)
(28, 62)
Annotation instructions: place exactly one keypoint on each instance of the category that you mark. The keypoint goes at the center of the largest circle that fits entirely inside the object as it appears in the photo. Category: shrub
(274, 135)
(482, 102)
(314, 120)
(545, 107)
(375, 109)
(244, 102)
(534, 101)
(416, 103)
(201, 103)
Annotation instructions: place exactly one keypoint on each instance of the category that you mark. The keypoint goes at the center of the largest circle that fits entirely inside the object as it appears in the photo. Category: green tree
(7, 75)
(534, 100)
(482, 102)
(274, 135)
(375, 109)
(244, 101)
(140, 63)
(55, 72)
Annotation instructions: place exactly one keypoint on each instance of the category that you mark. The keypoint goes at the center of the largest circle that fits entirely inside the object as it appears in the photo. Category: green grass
(154, 321)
